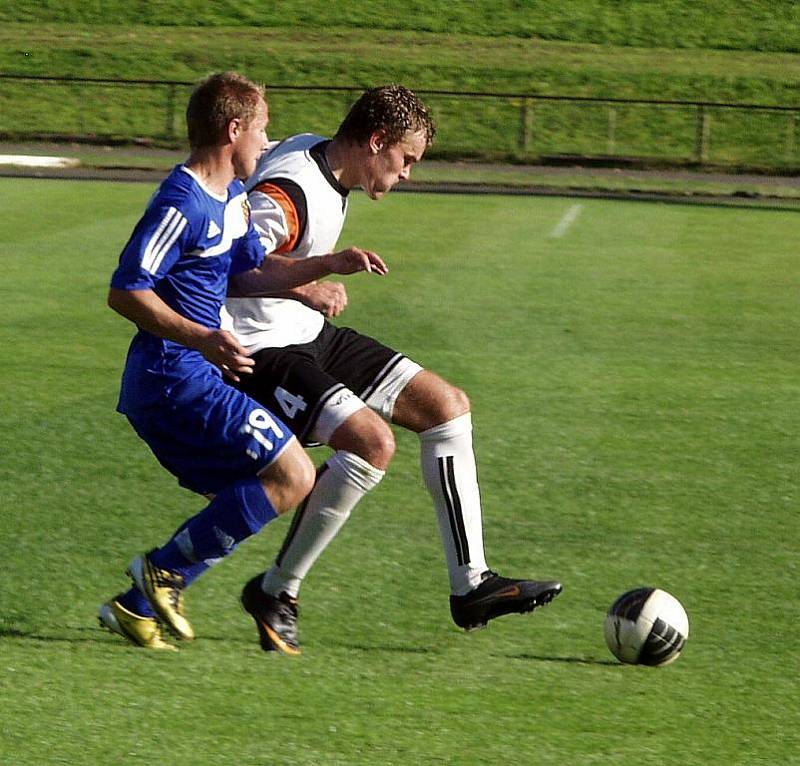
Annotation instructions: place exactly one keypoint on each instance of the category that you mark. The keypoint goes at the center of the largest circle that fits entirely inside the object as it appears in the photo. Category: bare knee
(456, 404)
(365, 434)
(429, 401)
(289, 478)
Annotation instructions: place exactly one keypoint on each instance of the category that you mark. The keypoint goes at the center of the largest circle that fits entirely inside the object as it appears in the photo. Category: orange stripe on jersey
(289, 210)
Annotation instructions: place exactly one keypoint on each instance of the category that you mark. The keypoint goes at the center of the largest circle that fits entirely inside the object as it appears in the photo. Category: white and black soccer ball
(646, 626)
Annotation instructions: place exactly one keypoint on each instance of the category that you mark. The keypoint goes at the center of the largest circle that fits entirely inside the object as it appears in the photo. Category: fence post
(611, 142)
(525, 124)
(791, 129)
(170, 123)
(82, 122)
(703, 136)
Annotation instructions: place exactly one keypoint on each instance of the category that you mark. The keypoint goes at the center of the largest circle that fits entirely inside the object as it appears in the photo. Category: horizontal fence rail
(471, 124)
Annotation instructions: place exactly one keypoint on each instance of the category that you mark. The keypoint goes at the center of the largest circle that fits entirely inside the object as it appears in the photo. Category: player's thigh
(311, 401)
(216, 436)
(374, 370)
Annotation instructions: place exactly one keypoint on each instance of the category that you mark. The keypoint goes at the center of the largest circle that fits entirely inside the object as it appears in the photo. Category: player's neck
(340, 160)
(213, 167)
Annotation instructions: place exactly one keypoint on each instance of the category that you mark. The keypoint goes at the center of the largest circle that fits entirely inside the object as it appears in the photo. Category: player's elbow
(127, 303)
(115, 299)
(235, 287)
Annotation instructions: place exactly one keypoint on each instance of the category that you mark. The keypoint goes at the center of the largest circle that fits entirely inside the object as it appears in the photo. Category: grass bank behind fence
(540, 54)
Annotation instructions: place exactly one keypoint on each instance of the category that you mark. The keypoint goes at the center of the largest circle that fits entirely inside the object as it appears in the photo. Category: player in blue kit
(193, 240)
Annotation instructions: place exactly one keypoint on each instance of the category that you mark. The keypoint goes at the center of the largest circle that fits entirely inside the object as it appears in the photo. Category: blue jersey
(184, 248)
(187, 244)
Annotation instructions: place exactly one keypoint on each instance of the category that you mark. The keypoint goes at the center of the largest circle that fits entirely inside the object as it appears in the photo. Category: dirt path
(147, 164)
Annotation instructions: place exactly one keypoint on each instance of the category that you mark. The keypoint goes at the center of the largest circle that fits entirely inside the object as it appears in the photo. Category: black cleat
(497, 596)
(275, 616)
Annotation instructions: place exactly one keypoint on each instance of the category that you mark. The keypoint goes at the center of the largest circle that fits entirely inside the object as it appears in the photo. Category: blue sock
(134, 601)
(191, 572)
(237, 512)
(252, 512)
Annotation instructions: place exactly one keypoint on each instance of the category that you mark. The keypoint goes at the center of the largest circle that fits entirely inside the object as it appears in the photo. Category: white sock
(341, 482)
(448, 467)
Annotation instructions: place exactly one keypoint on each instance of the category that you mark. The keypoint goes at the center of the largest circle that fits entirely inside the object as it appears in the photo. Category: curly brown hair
(219, 99)
(392, 109)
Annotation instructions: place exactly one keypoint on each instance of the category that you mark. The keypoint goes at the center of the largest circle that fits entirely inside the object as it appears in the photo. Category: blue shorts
(203, 431)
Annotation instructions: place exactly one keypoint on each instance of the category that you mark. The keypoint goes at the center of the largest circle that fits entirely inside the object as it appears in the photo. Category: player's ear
(377, 141)
(234, 129)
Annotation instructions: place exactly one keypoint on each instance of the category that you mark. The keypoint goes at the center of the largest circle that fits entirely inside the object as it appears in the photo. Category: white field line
(560, 229)
(31, 161)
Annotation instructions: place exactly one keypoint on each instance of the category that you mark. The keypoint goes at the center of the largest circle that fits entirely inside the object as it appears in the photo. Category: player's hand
(223, 350)
(354, 259)
(329, 298)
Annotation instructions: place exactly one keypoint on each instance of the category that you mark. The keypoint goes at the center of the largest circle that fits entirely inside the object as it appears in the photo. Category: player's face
(390, 164)
(251, 142)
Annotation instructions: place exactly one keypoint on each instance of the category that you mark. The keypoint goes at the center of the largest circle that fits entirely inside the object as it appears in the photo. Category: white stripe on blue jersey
(163, 239)
(172, 252)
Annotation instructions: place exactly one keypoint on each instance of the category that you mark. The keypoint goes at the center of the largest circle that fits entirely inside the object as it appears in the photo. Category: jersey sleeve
(157, 242)
(279, 214)
(249, 252)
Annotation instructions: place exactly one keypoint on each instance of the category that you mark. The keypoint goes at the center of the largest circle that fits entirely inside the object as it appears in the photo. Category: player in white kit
(338, 387)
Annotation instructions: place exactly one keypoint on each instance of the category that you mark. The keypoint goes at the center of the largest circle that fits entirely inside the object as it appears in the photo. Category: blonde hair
(219, 99)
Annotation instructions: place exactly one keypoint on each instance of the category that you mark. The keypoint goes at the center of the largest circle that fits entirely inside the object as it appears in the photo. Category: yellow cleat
(164, 591)
(138, 630)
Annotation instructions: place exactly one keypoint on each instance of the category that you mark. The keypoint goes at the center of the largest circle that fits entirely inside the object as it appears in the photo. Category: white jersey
(298, 208)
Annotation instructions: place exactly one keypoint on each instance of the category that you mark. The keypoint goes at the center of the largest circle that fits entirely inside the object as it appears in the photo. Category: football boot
(134, 628)
(164, 591)
(275, 617)
(497, 595)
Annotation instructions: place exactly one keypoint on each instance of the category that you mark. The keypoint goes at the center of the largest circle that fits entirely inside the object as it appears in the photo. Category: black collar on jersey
(318, 153)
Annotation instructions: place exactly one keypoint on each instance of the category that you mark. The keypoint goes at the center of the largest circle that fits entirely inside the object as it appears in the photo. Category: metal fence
(516, 126)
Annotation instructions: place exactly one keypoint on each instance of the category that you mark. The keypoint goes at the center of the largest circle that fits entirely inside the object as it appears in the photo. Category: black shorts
(298, 382)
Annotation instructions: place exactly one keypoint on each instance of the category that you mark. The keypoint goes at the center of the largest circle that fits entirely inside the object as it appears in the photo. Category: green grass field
(634, 383)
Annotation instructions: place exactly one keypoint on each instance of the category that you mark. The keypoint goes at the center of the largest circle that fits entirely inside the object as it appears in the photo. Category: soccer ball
(646, 626)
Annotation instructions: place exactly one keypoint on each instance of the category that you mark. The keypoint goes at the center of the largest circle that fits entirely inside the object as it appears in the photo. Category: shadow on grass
(432, 650)
(89, 634)
(567, 660)
(356, 647)
(386, 648)
(93, 633)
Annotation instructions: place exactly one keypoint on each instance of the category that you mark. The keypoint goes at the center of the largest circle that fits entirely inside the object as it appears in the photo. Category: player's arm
(278, 222)
(279, 272)
(146, 310)
(156, 244)
(279, 216)
(328, 297)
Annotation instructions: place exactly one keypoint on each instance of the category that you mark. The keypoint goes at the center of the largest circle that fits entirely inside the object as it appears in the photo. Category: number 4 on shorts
(290, 404)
